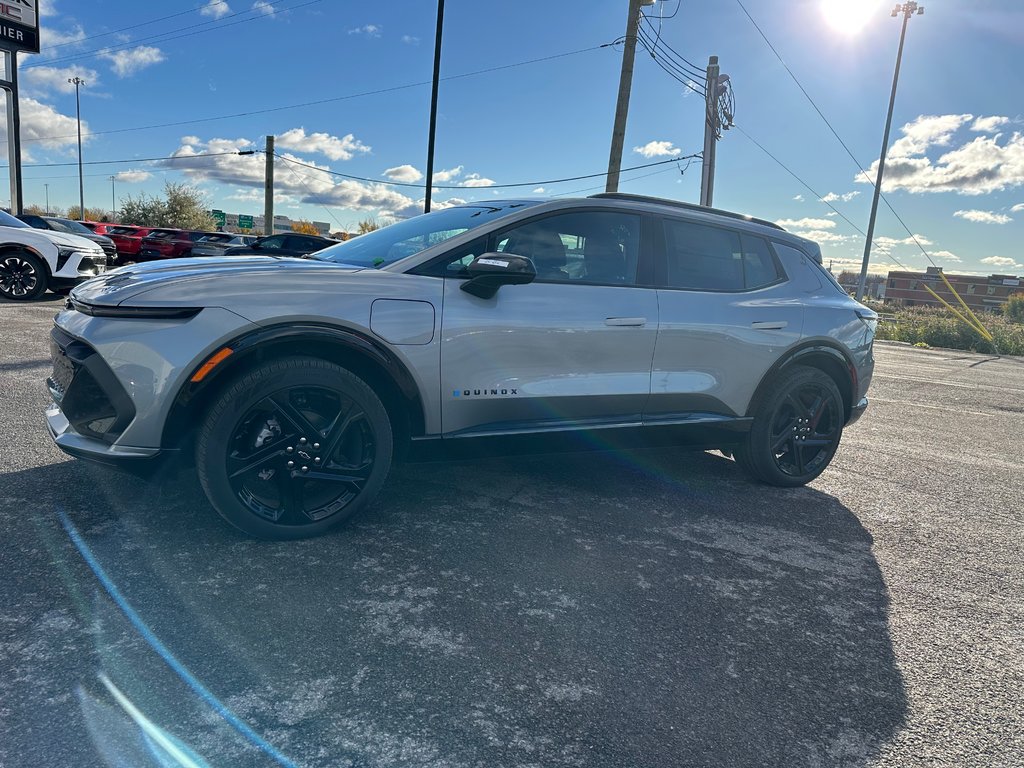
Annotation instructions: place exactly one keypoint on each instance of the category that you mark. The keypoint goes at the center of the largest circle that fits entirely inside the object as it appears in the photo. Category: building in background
(982, 294)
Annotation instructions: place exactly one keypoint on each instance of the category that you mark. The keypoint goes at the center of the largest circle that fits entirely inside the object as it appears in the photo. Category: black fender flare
(819, 353)
(344, 345)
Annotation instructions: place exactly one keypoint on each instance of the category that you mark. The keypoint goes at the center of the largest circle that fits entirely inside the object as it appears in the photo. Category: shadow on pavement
(646, 608)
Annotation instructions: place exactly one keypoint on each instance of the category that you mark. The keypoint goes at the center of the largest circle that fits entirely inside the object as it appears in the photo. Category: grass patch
(933, 327)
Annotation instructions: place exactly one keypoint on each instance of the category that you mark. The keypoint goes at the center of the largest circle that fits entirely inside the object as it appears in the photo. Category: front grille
(91, 397)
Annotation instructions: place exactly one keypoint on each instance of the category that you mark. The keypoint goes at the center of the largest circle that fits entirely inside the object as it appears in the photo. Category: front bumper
(857, 411)
(79, 446)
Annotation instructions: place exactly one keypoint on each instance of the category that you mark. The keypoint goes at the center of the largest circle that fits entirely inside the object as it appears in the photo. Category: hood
(198, 278)
(60, 239)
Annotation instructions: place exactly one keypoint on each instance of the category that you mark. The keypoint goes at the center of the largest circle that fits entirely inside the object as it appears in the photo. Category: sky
(528, 97)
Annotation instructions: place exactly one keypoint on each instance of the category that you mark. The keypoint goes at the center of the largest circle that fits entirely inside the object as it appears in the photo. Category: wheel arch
(22, 248)
(388, 376)
(826, 356)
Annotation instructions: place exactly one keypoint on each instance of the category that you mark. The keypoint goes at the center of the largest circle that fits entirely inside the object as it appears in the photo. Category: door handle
(769, 325)
(625, 322)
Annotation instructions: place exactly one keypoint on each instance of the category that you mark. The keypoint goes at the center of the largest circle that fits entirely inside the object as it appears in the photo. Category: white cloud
(133, 176)
(657, 149)
(262, 6)
(806, 223)
(40, 120)
(215, 8)
(886, 245)
(977, 167)
(798, 198)
(539, 191)
(846, 197)
(451, 173)
(476, 180)
(370, 30)
(983, 217)
(46, 80)
(131, 60)
(412, 40)
(925, 132)
(335, 148)
(1017, 208)
(405, 173)
(989, 124)
(945, 256)
(51, 38)
(1002, 261)
(822, 236)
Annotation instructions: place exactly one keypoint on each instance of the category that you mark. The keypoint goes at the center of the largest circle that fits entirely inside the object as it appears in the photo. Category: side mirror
(487, 273)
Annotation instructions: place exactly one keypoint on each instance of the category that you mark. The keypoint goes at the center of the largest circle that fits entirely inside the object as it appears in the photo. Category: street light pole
(908, 10)
(47, 188)
(113, 205)
(77, 81)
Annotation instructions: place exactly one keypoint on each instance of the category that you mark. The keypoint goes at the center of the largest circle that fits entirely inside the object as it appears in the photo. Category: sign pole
(13, 131)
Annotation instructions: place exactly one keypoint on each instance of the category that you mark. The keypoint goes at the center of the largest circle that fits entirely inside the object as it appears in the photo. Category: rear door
(571, 350)
(727, 310)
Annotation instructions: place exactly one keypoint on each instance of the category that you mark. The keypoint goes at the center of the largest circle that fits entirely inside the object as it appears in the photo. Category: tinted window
(703, 258)
(69, 226)
(35, 221)
(759, 267)
(6, 220)
(274, 242)
(586, 247)
(121, 231)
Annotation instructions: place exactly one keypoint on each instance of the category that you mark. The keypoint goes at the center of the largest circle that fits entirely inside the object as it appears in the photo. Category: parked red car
(99, 227)
(169, 244)
(127, 239)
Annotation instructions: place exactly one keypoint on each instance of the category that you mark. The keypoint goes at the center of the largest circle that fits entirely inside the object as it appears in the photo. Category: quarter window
(703, 258)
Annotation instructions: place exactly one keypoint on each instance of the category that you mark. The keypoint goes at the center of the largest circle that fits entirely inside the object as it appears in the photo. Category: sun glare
(849, 16)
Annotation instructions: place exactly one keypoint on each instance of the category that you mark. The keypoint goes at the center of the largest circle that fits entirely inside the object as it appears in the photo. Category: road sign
(19, 25)
(218, 217)
(244, 221)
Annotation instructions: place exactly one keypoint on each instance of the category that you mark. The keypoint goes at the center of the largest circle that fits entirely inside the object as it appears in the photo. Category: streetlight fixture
(908, 10)
(77, 81)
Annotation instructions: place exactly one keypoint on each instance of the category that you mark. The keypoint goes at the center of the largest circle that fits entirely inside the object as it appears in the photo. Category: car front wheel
(294, 448)
(22, 276)
(796, 429)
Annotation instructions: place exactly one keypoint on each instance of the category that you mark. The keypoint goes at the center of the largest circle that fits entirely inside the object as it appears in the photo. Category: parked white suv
(32, 260)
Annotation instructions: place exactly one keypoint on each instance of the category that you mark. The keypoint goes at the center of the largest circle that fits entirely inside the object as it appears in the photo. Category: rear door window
(706, 258)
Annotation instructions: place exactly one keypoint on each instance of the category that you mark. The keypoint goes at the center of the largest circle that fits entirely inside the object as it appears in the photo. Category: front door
(571, 350)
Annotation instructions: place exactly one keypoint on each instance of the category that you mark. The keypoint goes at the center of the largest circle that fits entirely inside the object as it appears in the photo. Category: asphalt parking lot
(645, 608)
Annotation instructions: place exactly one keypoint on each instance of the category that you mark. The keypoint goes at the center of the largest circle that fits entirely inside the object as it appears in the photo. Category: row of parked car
(125, 243)
(66, 251)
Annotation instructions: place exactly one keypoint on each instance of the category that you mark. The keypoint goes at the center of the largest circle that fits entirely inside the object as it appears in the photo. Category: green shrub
(940, 328)
(1013, 309)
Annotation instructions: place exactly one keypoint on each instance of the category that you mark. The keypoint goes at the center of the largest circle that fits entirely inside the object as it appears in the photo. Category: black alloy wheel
(294, 448)
(22, 277)
(796, 430)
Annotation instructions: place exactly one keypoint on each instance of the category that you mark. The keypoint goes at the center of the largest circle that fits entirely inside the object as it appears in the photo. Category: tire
(259, 455)
(23, 277)
(796, 431)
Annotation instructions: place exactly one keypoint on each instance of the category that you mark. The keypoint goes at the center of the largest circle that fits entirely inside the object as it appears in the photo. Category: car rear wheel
(22, 276)
(294, 448)
(796, 430)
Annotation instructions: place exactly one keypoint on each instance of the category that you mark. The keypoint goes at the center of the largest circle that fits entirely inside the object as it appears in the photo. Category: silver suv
(294, 383)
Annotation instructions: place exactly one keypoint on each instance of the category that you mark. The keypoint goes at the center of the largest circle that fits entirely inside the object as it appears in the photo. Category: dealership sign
(19, 25)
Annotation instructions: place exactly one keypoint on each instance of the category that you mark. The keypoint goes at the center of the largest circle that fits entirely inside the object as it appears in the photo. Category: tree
(1013, 309)
(304, 227)
(367, 225)
(182, 207)
(91, 214)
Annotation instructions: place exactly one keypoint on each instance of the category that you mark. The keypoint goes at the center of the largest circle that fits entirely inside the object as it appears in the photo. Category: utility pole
(625, 86)
(908, 10)
(113, 205)
(268, 189)
(711, 128)
(47, 188)
(77, 81)
(433, 106)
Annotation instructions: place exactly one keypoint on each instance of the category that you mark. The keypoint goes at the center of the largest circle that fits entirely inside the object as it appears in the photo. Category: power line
(137, 159)
(683, 61)
(490, 186)
(140, 24)
(309, 192)
(853, 157)
(679, 75)
(332, 99)
(166, 37)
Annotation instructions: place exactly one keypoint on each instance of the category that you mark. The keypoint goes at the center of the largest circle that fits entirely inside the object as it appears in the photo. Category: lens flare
(850, 16)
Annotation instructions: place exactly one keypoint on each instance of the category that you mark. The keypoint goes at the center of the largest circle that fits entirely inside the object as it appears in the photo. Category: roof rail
(687, 206)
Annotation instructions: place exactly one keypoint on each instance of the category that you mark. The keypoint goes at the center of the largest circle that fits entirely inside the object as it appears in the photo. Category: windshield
(6, 220)
(71, 227)
(215, 239)
(397, 241)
